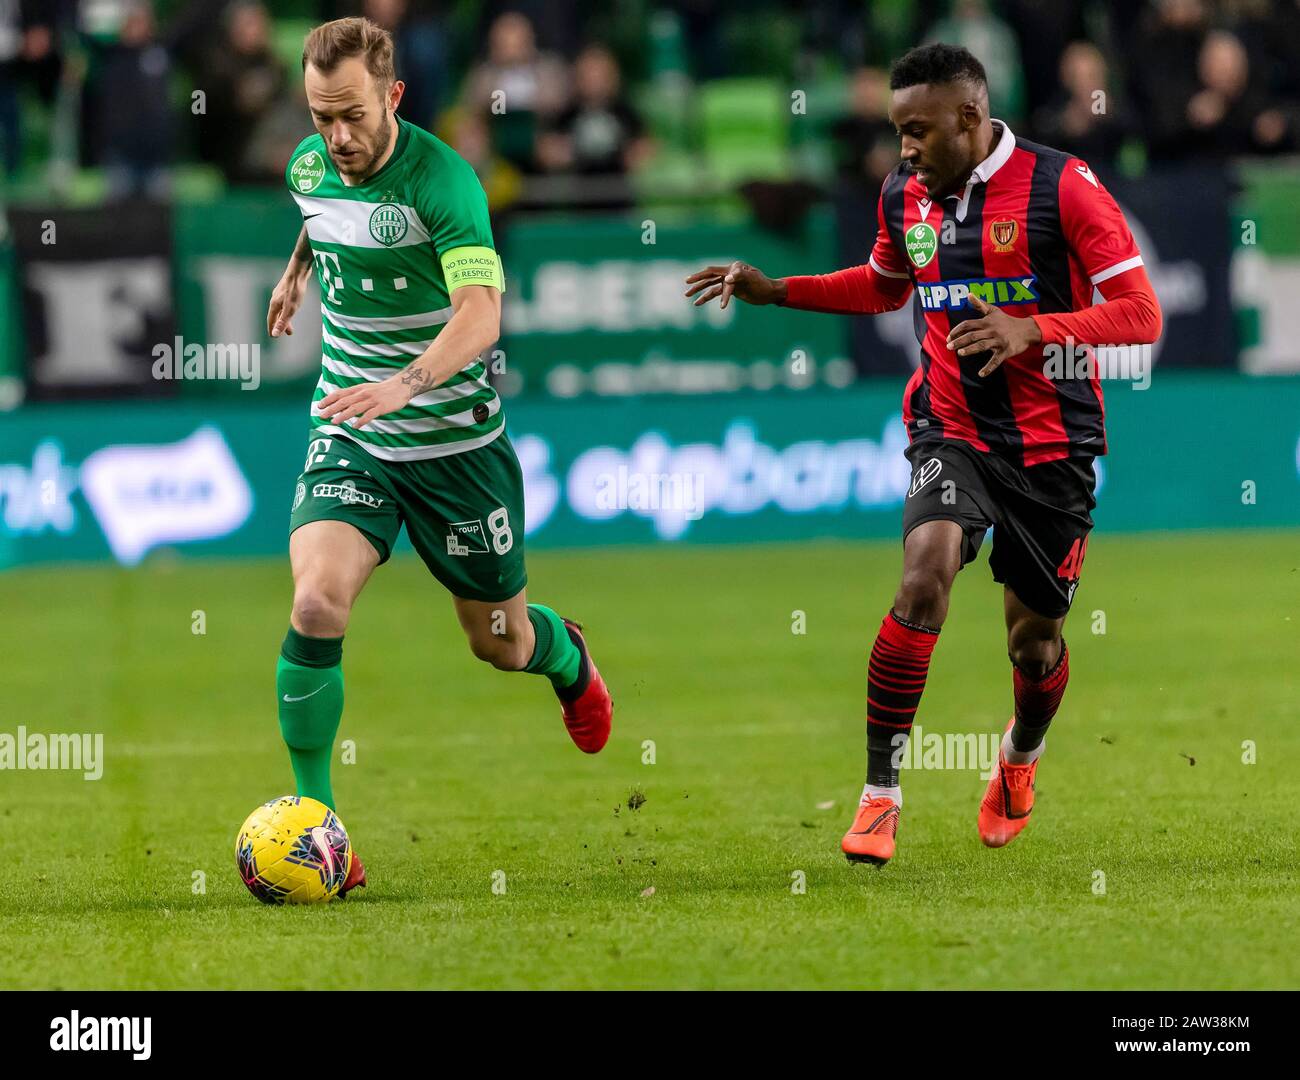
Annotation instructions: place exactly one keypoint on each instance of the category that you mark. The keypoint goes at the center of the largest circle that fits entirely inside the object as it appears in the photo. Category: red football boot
(589, 715)
(356, 876)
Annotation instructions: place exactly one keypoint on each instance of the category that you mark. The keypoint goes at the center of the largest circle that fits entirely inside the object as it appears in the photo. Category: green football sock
(555, 655)
(309, 691)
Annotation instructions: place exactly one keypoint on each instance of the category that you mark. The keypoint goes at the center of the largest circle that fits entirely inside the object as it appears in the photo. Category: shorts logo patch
(466, 538)
(316, 452)
(347, 493)
(300, 493)
(924, 475)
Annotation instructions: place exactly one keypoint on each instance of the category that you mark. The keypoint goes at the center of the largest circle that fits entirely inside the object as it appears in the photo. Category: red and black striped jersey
(1035, 234)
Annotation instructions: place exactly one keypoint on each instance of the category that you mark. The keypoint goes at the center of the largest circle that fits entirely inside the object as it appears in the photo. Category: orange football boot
(871, 837)
(1008, 800)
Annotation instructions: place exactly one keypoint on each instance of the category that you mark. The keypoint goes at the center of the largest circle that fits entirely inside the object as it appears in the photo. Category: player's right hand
(285, 301)
(741, 280)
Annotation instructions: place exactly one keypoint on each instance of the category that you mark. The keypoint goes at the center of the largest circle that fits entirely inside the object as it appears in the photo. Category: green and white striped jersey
(388, 253)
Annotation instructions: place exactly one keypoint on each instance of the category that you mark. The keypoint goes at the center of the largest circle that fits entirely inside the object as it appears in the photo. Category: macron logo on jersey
(1002, 292)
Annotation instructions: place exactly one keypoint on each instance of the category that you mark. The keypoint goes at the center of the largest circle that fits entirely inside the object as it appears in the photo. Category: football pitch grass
(1156, 857)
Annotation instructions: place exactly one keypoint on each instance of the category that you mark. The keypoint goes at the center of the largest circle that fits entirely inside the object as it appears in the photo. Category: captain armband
(472, 266)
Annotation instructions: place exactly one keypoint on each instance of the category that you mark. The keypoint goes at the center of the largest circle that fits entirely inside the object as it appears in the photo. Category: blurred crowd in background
(143, 217)
(586, 104)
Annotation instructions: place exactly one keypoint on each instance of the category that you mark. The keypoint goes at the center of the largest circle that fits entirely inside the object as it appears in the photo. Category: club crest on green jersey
(921, 243)
(307, 172)
(388, 224)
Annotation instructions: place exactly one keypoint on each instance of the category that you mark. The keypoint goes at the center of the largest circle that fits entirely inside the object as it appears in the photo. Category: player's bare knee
(317, 613)
(503, 653)
(1033, 653)
(923, 596)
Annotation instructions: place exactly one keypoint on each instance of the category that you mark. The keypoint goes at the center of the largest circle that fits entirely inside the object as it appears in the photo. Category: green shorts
(464, 512)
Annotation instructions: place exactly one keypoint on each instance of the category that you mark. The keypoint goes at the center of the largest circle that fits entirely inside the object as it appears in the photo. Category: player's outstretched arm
(860, 290)
(745, 282)
(287, 296)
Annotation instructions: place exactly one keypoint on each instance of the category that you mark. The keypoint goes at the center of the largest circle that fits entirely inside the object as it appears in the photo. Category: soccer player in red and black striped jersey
(1014, 256)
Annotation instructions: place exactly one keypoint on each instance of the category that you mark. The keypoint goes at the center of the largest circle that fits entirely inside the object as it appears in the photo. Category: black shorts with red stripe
(1040, 515)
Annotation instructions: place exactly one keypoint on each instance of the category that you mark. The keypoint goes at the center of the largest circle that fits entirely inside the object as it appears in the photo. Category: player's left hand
(366, 402)
(1002, 334)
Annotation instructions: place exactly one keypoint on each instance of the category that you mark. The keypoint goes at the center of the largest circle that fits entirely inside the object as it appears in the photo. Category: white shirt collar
(982, 172)
(986, 168)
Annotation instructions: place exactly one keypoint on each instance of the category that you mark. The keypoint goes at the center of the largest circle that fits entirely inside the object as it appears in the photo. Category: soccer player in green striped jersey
(405, 427)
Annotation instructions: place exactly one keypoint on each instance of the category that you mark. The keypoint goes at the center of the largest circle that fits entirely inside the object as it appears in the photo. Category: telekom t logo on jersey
(331, 276)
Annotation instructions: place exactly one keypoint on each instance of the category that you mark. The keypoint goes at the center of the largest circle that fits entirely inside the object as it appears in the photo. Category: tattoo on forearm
(417, 380)
(302, 249)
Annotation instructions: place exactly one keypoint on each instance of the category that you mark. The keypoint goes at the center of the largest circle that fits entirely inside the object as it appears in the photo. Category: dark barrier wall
(593, 304)
(96, 297)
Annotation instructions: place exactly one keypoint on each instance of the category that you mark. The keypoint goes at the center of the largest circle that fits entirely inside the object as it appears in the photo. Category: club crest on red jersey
(1003, 233)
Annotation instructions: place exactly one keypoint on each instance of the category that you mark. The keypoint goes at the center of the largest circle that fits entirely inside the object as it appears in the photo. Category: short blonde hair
(333, 42)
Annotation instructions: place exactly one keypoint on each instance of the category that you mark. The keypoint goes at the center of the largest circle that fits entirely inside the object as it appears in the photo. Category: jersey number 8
(499, 526)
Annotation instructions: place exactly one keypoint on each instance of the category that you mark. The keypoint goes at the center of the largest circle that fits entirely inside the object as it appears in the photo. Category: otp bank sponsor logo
(739, 474)
(950, 295)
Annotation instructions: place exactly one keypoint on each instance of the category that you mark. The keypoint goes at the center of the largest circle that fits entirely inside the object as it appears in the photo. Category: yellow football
(293, 850)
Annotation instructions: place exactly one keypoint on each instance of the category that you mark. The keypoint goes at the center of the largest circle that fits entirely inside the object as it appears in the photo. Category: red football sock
(1037, 702)
(900, 661)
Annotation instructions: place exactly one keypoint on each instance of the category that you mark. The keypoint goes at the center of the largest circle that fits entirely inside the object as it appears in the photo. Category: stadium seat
(744, 129)
(197, 182)
(827, 101)
(286, 39)
(766, 46)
